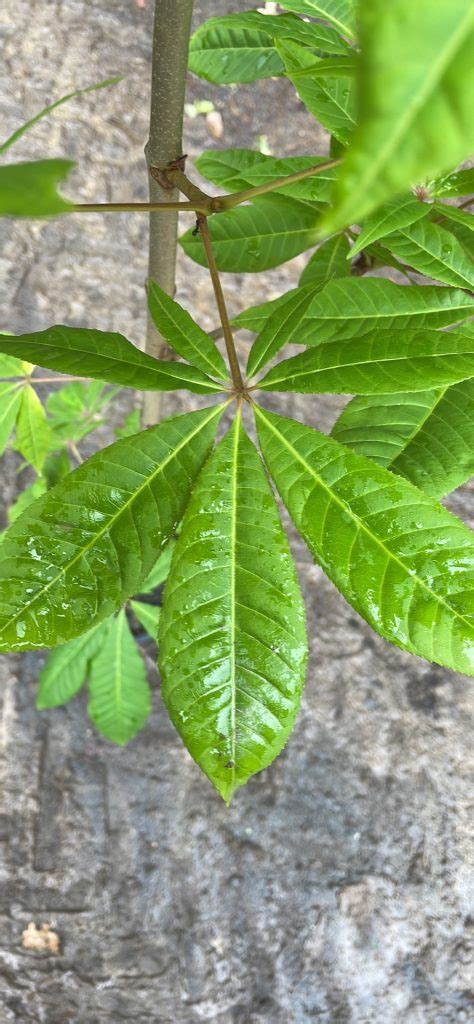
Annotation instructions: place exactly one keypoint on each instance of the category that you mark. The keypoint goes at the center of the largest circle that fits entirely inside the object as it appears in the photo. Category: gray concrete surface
(336, 888)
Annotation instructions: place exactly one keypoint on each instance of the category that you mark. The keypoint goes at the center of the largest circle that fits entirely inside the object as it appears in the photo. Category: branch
(220, 300)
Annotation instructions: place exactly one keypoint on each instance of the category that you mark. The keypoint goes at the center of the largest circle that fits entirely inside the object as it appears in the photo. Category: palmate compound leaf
(183, 334)
(399, 558)
(415, 99)
(106, 356)
(232, 636)
(427, 437)
(67, 667)
(30, 189)
(378, 363)
(257, 236)
(80, 550)
(119, 694)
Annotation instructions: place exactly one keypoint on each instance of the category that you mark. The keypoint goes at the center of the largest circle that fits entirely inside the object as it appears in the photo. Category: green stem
(222, 308)
(171, 31)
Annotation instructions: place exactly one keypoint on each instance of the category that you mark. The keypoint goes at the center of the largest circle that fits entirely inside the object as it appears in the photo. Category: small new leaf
(67, 667)
(119, 695)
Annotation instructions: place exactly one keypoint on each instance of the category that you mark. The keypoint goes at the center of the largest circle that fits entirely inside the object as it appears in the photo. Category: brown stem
(139, 207)
(221, 306)
(236, 198)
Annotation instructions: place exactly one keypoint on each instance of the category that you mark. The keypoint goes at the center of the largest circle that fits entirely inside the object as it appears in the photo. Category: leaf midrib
(98, 536)
(411, 110)
(360, 523)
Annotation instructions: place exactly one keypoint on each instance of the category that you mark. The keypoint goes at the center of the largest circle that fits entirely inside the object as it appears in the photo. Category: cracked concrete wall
(336, 888)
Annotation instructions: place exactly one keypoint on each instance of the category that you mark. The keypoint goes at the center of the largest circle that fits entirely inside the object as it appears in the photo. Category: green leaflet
(78, 552)
(241, 47)
(239, 169)
(354, 306)
(459, 183)
(160, 570)
(33, 434)
(119, 695)
(52, 106)
(281, 325)
(415, 100)
(29, 189)
(330, 260)
(331, 100)
(26, 498)
(254, 318)
(258, 236)
(10, 367)
(67, 667)
(433, 251)
(427, 437)
(400, 559)
(384, 362)
(10, 402)
(396, 214)
(106, 356)
(452, 213)
(232, 637)
(148, 616)
(341, 13)
(183, 334)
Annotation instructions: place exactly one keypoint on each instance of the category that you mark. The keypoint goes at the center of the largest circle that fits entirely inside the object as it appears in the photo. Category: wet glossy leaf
(106, 356)
(67, 667)
(331, 259)
(52, 106)
(148, 616)
(160, 570)
(354, 306)
(238, 169)
(10, 402)
(400, 559)
(396, 214)
(433, 251)
(416, 93)
(183, 334)
(30, 189)
(459, 183)
(340, 13)
(258, 236)
(119, 695)
(383, 362)
(82, 549)
(427, 437)
(278, 328)
(32, 435)
(330, 99)
(232, 638)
